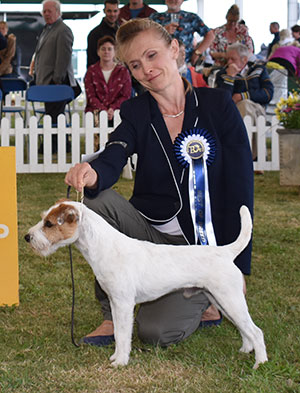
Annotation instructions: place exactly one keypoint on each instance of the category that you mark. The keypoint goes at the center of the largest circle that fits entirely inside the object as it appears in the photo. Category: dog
(121, 264)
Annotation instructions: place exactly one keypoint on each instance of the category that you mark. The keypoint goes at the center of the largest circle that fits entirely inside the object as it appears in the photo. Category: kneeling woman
(165, 127)
(107, 84)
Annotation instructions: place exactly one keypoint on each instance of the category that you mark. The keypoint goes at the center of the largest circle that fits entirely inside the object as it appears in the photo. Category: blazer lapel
(46, 34)
(158, 123)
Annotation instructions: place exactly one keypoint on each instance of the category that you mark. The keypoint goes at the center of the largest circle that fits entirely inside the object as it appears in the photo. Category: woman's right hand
(81, 175)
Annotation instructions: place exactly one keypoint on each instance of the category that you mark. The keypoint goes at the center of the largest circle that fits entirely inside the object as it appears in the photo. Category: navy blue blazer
(161, 183)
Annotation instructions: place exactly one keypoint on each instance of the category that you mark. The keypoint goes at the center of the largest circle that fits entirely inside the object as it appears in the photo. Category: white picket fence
(267, 143)
(27, 141)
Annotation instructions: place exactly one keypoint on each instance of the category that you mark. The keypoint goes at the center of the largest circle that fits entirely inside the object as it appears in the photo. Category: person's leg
(54, 109)
(171, 318)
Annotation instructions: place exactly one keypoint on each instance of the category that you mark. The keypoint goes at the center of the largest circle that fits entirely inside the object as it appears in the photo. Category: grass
(36, 353)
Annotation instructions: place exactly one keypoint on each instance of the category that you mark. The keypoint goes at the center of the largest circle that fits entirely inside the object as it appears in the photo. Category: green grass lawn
(36, 353)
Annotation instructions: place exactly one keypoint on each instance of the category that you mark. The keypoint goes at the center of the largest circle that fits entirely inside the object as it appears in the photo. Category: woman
(285, 39)
(289, 57)
(107, 84)
(286, 53)
(7, 54)
(159, 209)
(228, 34)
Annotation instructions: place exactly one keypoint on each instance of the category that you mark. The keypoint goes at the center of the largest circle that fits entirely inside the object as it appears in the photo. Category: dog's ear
(70, 215)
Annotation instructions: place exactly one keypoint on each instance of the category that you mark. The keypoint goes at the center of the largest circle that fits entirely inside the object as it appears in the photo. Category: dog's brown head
(57, 228)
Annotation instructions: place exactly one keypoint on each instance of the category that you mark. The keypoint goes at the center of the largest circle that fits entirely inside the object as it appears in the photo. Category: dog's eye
(48, 224)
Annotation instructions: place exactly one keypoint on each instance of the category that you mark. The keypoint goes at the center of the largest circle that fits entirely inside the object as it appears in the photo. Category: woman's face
(106, 52)
(3, 29)
(232, 22)
(151, 61)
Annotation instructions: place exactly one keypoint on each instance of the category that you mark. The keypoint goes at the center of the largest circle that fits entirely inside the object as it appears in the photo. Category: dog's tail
(245, 234)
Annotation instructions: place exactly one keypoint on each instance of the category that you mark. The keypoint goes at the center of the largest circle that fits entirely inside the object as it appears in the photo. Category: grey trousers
(171, 318)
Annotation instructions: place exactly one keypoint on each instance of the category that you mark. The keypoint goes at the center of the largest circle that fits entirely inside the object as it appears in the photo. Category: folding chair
(49, 93)
(13, 85)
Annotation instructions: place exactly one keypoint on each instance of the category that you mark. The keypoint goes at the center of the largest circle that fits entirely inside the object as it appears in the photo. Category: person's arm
(3, 41)
(10, 52)
(31, 66)
(106, 169)
(263, 93)
(205, 43)
(63, 55)
(225, 81)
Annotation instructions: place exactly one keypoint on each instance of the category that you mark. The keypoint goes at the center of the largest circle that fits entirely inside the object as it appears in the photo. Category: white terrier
(132, 271)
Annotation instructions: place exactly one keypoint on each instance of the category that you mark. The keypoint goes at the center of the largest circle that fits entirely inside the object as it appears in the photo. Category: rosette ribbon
(195, 149)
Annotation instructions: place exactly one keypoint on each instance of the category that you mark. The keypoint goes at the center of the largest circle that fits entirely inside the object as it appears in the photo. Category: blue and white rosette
(195, 149)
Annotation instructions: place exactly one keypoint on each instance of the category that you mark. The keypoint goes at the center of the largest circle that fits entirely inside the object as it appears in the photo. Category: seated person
(7, 54)
(249, 83)
(188, 72)
(288, 57)
(107, 84)
(285, 39)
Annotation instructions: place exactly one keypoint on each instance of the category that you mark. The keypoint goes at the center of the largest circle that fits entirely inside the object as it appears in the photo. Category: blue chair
(50, 93)
(13, 85)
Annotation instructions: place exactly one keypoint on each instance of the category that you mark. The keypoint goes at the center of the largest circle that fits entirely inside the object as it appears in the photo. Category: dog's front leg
(122, 314)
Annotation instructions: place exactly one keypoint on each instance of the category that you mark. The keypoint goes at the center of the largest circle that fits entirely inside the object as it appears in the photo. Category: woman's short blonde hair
(284, 33)
(129, 30)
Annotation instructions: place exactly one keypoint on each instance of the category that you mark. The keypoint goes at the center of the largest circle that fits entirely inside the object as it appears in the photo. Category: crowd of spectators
(212, 52)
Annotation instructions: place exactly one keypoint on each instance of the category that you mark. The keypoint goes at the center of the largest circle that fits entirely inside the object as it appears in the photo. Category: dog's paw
(113, 357)
(119, 359)
(258, 362)
(246, 347)
(120, 362)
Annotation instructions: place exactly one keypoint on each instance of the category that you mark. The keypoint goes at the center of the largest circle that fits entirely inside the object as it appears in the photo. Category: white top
(172, 227)
(107, 74)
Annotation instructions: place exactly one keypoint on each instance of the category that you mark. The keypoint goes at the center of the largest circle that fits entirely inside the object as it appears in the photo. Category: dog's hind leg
(122, 314)
(235, 308)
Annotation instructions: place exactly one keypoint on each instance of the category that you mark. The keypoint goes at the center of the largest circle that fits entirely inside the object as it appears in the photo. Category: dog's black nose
(27, 237)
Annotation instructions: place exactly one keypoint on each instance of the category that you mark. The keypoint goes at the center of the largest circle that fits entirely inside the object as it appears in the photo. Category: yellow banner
(9, 268)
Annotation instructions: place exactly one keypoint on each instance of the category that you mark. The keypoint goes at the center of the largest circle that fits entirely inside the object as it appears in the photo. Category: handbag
(77, 88)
